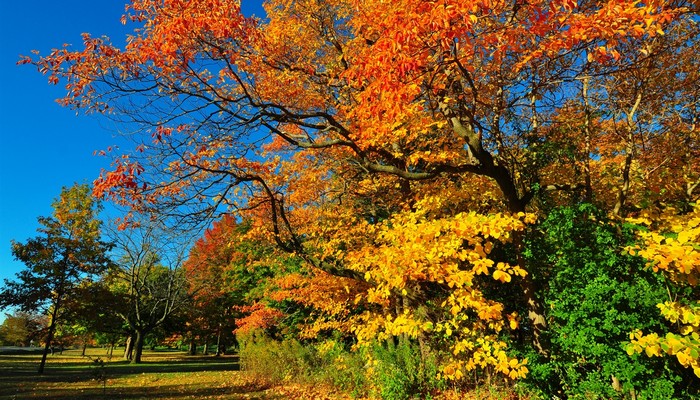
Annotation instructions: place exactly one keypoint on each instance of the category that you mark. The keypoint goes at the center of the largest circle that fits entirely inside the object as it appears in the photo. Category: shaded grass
(162, 375)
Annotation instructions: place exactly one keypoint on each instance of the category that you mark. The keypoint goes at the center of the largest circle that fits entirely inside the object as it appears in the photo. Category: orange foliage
(393, 145)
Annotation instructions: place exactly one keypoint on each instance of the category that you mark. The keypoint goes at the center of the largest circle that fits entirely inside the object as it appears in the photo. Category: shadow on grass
(19, 380)
(163, 392)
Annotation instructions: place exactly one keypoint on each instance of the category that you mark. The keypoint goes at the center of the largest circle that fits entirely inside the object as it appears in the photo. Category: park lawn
(162, 375)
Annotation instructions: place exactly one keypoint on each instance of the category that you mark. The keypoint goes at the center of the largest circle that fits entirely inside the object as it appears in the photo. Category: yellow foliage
(411, 249)
(674, 248)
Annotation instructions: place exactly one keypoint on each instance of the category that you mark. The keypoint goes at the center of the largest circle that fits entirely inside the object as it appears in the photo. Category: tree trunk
(587, 131)
(47, 347)
(193, 348)
(138, 347)
(50, 334)
(535, 309)
(129, 348)
(629, 157)
(206, 347)
(218, 341)
(111, 349)
(625, 186)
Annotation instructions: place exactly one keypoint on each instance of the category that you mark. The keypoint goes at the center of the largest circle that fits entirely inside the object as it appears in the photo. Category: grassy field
(162, 375)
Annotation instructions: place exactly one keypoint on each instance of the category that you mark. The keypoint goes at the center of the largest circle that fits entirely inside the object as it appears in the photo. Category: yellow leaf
(653, 350)
(513, 324)
(501, 276)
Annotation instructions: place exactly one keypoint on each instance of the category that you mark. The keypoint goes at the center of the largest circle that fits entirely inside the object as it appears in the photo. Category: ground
(162, 375)
(165, 375)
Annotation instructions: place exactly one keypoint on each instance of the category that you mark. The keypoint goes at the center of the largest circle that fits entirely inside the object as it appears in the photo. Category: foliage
(22, 329)
(395, 153)
(672, 246)
(68, 252)
(384, 371)
(400, 372)
(596, 294)
(416, 253)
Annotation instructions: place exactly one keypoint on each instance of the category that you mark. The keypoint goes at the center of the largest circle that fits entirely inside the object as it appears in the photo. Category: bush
(274, 361)
(401, 373)
(391, 372)
(595, 295)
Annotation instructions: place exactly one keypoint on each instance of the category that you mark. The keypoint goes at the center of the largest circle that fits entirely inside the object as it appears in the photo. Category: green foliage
(391, 372)
(595, 295)
(401, 373)
(67, 250)
(271, 360)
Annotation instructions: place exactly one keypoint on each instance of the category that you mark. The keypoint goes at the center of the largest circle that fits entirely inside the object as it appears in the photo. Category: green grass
(162, 375)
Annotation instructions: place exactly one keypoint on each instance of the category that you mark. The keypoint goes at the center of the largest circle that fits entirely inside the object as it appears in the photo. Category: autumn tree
(209, 276)
(68, 251)
(240, 283)
(22, 328)
(402, 146)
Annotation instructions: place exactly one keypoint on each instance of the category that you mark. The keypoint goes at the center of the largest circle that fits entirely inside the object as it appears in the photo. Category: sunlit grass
(162, 375)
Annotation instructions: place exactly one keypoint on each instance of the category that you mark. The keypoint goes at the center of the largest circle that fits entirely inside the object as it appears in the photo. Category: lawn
(162, 375)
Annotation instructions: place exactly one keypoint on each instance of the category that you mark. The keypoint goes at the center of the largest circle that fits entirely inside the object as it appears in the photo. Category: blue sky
(43, 146)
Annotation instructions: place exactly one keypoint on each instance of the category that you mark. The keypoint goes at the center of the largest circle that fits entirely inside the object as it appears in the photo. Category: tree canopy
(68, 251)
(405, 150)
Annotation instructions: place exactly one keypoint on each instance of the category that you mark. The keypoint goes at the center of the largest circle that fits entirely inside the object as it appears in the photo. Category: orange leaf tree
(392, 143)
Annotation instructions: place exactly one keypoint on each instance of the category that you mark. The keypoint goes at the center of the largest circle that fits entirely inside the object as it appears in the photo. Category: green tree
(68, 251)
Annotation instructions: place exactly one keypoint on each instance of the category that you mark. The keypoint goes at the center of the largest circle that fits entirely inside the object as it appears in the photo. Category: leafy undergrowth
(302, 392)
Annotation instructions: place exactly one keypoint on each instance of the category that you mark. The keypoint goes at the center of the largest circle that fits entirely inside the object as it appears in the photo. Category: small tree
(67, 252)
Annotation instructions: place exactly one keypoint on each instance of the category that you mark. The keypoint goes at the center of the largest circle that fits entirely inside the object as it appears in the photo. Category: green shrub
(271, 360)
(391, 372)
(400, 372)
(595, 295)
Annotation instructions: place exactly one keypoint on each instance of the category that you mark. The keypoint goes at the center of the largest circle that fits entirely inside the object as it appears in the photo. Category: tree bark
(129, 348)
(50, 334)
(587, 132)
(535, 309)
(111, 349)
(138, 347)
(193, 348)
(47, 347)
(629, 157)
(218, 341)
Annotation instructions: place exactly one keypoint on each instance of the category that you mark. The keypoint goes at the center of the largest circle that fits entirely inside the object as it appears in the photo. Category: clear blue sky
(44, 147)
